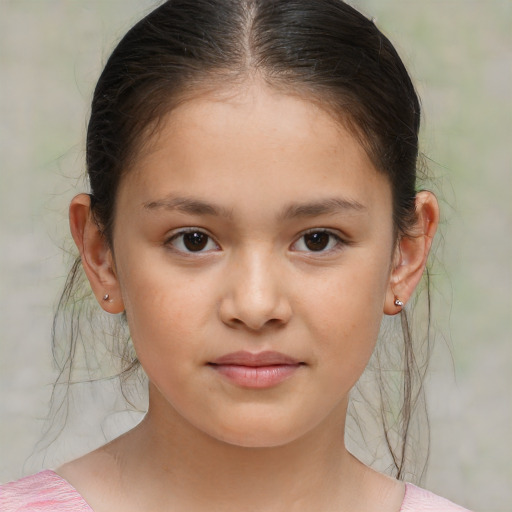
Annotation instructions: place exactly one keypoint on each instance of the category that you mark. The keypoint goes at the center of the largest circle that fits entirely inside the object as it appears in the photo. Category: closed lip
(256, 370)
(245, 358)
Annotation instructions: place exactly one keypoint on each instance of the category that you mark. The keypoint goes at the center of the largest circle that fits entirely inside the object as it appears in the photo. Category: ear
(412, 252)
(96, 255)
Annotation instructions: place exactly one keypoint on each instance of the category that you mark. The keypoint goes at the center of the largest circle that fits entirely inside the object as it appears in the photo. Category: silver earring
(106, 297)
(399, 303)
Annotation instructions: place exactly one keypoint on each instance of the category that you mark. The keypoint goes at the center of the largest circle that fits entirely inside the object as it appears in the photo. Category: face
(253, 242)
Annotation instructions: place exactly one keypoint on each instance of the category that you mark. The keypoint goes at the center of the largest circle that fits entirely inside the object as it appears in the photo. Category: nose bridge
(255, 295)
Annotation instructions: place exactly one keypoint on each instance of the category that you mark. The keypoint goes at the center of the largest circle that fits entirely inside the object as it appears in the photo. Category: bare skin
(294, 254)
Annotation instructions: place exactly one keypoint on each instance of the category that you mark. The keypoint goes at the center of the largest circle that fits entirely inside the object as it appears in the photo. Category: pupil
(316, 241)
(195, 241)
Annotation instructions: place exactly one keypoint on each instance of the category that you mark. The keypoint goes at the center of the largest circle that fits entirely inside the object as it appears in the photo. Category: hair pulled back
(324, 50)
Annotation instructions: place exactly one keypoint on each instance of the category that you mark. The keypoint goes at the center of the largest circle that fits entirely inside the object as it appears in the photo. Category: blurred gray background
(460, 55)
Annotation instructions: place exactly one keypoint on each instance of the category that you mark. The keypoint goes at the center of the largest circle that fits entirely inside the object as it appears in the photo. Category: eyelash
(333, 237)
(180, 234)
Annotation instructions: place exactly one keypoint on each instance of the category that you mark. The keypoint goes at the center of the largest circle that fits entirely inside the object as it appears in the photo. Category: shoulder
(43, 492)
(421, 500)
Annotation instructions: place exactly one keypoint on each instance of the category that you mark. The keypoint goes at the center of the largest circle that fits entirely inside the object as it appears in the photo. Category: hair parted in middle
(324, 51)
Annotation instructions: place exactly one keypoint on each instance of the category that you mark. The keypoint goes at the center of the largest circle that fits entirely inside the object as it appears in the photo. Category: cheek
(348, 318)
(164, 309)
(164, 331)
(164, 318)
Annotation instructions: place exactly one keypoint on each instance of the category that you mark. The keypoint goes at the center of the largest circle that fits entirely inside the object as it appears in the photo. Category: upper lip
(244, 358)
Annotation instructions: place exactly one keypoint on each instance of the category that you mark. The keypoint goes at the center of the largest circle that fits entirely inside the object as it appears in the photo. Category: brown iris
(317, 241)
(195, 241)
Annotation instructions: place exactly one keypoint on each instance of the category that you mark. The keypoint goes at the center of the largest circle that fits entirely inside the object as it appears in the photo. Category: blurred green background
(459, 53)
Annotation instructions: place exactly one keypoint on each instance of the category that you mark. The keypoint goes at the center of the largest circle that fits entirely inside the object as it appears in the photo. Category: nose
(254, 294)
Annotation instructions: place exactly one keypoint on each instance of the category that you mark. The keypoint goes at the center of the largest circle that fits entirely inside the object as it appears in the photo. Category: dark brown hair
(324, 50)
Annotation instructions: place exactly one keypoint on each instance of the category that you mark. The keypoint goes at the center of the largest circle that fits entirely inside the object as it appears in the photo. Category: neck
(177, 461)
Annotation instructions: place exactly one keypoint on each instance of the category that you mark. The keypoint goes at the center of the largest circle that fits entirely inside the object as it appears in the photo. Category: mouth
(257, 371)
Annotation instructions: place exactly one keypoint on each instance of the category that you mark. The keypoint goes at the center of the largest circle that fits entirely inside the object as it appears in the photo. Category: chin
(259, 433)
(258, 440)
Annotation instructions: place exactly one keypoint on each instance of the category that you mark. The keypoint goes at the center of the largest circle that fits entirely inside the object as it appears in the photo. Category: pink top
(48, 492)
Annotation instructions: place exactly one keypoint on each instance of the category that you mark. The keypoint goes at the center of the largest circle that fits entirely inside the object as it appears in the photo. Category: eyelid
(175, 234)
(340, 241)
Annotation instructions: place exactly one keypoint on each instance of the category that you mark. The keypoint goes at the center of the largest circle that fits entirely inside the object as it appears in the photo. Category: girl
(253, 214)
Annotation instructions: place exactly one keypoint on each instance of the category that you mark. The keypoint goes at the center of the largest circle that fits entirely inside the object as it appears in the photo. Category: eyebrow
(188, 205)
(196, 206)
(329, 206)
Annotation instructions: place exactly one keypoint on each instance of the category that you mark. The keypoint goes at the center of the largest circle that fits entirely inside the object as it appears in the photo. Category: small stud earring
(399, 303)
(106, 297)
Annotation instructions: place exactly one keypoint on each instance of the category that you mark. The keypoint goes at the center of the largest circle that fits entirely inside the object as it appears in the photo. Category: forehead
(253, 145)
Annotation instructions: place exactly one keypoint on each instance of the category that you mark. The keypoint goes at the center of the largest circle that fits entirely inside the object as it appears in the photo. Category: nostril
(273, 323)
(255, 300)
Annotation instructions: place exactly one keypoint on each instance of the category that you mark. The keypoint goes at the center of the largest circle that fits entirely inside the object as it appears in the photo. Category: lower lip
(256, 377)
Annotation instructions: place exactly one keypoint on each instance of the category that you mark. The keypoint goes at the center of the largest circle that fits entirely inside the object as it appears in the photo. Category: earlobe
(96, 255)
(411, 253)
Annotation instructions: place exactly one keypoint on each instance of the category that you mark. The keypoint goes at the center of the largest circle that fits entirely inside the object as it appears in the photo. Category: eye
(317, 241)
(192, 240)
